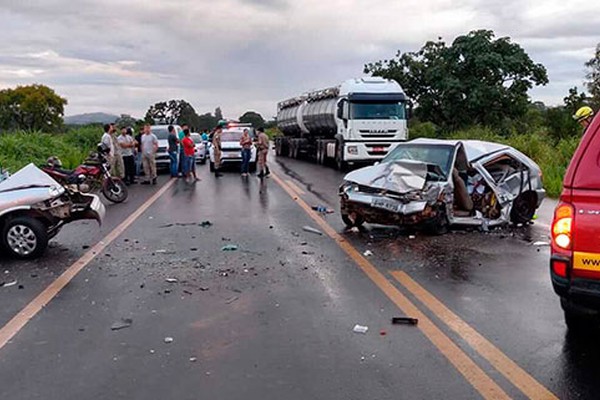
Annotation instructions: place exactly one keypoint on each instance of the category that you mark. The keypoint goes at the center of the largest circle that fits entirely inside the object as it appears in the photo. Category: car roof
(474, 148)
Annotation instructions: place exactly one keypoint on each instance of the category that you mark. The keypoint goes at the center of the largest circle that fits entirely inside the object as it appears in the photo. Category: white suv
(162, 134)
(231, 151)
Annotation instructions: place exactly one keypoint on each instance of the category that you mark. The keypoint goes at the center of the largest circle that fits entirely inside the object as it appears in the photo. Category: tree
(33, 107)
(575, 100)
(593, 77)
(173, 112)
(218, 114)
(126, 121)
(476, 80)
(254, 118)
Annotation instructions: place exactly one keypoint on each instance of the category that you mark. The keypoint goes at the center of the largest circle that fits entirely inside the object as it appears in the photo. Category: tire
(523, 208)
(115, 190)
(25, 237)
(212, 166)
(440, 226)
(320, 153)
(353, 220)
(339, 157)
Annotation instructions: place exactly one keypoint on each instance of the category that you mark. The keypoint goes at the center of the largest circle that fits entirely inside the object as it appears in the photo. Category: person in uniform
(263, 149)
(216, 143)
(584, 116)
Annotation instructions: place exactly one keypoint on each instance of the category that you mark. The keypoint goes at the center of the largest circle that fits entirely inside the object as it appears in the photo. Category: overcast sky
(120, 56)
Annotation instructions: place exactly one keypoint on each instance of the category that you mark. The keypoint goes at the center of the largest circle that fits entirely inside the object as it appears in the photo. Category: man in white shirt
(107, 139)
(127, 144)
(149, 150)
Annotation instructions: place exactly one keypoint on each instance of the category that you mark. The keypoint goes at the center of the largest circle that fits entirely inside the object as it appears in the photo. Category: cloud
(121, 57)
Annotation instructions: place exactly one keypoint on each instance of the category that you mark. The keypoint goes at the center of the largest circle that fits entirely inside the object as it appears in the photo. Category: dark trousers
(245, 160)
(129, 162)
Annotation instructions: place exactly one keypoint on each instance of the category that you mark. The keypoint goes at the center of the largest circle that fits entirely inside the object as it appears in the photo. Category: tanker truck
(357, 122)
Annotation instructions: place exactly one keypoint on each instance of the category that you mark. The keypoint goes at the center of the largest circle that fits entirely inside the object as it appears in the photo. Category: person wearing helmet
(584, 116)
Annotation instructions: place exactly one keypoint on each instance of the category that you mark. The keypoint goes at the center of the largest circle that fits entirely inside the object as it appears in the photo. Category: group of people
(127, 155)
(246, 143)
(182, 153)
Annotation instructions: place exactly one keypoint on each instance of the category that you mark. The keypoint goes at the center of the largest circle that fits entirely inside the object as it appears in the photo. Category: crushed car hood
(28, 177)
(400, 176)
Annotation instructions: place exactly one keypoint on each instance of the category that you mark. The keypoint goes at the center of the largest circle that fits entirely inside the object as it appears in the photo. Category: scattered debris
(193, 359)
(187, 292)
(322, 209)
(382, 333)
(295, 234)
(194, 249)
(229, 247)
(122, 324)
(172, 280)
(85, 247)
(312, 230)
(360, 329)
(8, 284)
(368, 253)
(231, 300)
(169, 339)
(412, 237)
(160, 251)
(404, 321)
(204, 289)
(205, 224)
(540, 244)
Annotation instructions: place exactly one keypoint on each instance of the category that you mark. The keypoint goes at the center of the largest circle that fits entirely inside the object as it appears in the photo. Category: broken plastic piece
(404, 321)
(172, 280)
(368, 253)
(9, 284)
(540, 243)
(312, 230)
(169, 339)
(122, 324)
(360, 329)
(229, 247)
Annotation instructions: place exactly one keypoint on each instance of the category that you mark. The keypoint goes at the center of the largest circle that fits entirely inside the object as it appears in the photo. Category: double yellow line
(474, 374)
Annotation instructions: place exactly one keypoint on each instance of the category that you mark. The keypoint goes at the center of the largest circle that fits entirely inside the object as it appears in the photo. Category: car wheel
(212, 166)
(439, 226)
(339, 157)
(25, 237)
(523, 208)
(353, 220)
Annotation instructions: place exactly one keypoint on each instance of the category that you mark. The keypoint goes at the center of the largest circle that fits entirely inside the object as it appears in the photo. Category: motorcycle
(34, 207)
(91, 176)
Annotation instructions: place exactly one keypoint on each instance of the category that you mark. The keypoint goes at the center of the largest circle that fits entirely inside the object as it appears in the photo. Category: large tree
(173, 112)
(254, 118)
(593, 77)
(33, 107)
(478, 79)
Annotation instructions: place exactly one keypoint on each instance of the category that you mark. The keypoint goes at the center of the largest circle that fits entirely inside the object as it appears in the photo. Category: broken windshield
(430, 154)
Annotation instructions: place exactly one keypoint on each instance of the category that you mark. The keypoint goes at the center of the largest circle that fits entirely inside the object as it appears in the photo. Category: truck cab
(575, 246)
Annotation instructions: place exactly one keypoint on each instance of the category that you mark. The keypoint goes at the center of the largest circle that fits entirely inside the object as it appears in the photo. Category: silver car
(34, 207)
(433, 184)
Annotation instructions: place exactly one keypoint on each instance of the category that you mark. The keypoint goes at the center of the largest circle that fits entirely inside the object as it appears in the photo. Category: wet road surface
(274, 318)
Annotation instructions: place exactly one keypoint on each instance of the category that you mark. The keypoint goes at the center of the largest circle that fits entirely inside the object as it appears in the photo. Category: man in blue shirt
(181, 135)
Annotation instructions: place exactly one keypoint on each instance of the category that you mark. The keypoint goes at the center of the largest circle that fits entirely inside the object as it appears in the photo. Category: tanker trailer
(357, 122)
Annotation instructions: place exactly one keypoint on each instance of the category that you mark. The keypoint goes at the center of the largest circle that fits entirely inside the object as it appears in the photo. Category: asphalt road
(274, 319)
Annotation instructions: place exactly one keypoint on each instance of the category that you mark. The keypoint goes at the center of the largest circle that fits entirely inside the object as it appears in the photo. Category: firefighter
(216, 143)
(584, 116)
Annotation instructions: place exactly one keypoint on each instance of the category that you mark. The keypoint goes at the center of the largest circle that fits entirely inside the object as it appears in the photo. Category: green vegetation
(20, 148)
(33, 107)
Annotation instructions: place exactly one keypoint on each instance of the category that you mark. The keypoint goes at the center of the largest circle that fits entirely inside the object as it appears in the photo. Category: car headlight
(349, 187)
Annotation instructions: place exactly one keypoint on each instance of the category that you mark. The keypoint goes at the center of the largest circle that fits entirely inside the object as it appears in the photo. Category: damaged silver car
(34, 207)
(433, 184)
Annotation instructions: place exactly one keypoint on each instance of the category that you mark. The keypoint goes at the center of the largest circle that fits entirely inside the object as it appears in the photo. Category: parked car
(34, 207)
(575, 245)
(162, 134)
(201, 151)
(433, 184)
(230, 146)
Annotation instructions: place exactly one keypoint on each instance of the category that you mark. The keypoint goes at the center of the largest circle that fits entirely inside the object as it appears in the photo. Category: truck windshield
(439, 155)
(370, 110)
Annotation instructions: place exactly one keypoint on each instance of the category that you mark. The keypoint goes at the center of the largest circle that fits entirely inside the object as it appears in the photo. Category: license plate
(586, 261)
(385, 204)
(379, 149)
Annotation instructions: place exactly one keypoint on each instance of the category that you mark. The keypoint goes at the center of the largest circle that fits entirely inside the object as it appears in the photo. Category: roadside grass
(17, 149)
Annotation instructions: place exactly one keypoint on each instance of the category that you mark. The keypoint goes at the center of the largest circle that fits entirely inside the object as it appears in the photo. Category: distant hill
(90, 118)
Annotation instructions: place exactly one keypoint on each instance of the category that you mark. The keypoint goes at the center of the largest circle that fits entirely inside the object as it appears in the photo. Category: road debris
(122, 324)
(229, 247)
(322, 209)
(540, 244)
(193, 359)
(368, 253)
(382, 333)
(404, 321)
(8, 284)
(205, 224)
(412, 237)
(231, 300)
(172, 280)
(312, 230)
(360, 329)
(169, 339)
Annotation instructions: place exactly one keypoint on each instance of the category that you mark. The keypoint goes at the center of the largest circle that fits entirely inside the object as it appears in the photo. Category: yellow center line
(295, 187)
(17, 323)
(507, 367)
(457, 357)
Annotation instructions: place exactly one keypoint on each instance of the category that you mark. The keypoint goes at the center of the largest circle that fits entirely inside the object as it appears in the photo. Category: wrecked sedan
(34, 207)
(432, 184)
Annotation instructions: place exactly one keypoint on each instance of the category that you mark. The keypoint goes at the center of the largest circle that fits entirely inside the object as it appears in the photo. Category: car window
(197, 138)
(161, 133)
(431, 154)
(507, 171)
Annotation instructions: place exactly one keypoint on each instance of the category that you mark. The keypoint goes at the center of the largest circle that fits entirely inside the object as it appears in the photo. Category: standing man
(246, 144)
(216, 142)
(173, 148)
(149, 149)
(127, 144)
(263, 149)
(189, 149)
(108, 143)
(117, 167)
(138, 152)
(180, 136)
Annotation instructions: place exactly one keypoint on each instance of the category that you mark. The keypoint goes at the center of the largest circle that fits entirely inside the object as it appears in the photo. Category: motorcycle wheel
(114, 190)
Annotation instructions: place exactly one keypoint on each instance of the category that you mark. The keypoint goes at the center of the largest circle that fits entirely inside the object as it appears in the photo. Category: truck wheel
(320, 153)
(212, 166)
(25, 237)
(339, 157)
(523, 208)
(353, 220)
